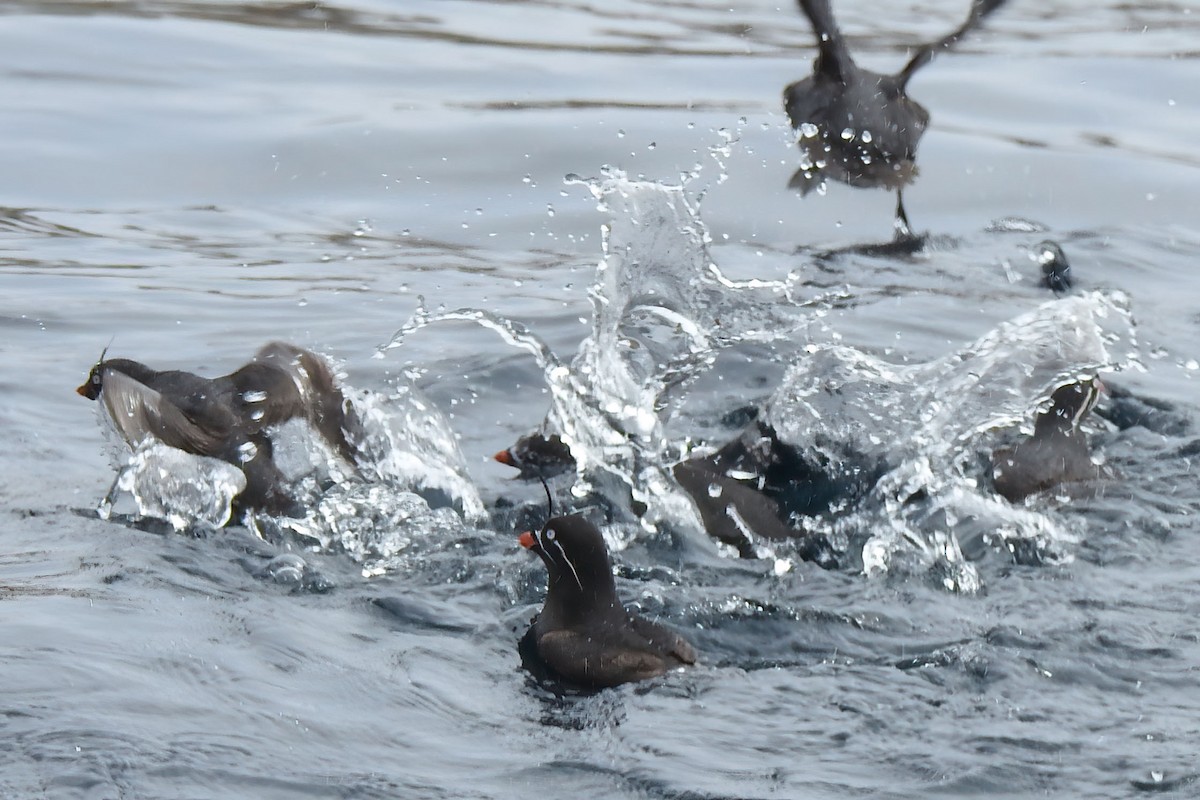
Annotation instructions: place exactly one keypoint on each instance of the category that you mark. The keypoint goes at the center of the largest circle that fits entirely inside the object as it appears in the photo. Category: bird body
(227, 417)
(856, 126)
(583, 633)
(1058, 450)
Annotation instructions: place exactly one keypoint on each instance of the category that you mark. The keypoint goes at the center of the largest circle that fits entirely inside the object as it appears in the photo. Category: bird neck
(571, 604)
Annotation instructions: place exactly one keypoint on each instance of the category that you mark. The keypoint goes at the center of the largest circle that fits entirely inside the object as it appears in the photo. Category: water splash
(406, 443)
(404, 446)
(926, 429)
(662, 311)
(184, 490)
(375, 524)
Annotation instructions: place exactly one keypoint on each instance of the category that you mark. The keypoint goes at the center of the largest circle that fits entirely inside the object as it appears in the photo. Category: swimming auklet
(583, 633)
(1058, 450)
(538, 457)
(227, 417)
(757, 487)
(1056, 270)
(856, 126)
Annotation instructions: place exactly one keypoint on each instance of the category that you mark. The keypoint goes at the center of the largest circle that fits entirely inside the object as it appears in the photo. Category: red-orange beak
(526, 539)
(504, 458)
(82, 391)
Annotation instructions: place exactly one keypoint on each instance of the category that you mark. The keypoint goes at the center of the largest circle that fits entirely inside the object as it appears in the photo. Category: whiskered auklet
(1057, 452)
(1056, 270)
(227, 417)
(758, 488)
(856, 126)
(538, 457)
(583, 632)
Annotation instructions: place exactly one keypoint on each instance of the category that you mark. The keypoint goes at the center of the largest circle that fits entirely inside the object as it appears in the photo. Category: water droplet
(866, 137)
(809, 131)
(847, 133)
(620, 134)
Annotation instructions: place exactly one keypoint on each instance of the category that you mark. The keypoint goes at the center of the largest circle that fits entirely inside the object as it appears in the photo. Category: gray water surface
(192, 179)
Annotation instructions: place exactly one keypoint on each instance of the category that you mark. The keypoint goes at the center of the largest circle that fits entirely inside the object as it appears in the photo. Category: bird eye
(550, 535)
(96, 379)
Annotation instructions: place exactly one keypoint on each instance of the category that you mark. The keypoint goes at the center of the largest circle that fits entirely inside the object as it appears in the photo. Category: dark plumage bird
(757, 487)
(1056, 270)
(1058, 450)
(856, 126)
(538, 457)
(583, 633)
(227, 417)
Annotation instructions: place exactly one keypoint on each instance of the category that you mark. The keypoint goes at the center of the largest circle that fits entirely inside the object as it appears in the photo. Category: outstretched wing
(139, 412)
(979, 10)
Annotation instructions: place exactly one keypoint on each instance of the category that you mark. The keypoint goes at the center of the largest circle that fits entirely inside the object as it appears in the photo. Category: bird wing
(663, 639)
(139, 412)
(581, 659)
(979, 10)
(298, 382)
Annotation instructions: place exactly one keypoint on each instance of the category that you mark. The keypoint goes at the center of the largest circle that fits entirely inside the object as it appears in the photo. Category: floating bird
(1058, 450)
(227, 417)
(583, 633)
(856, 126)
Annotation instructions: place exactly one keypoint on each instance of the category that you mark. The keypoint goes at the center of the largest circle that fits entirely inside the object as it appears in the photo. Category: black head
(575, 556)
(94, 384)
(1069, 404)
(1056, 271)
(95, 379)
(538, 456)
(91, 387)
